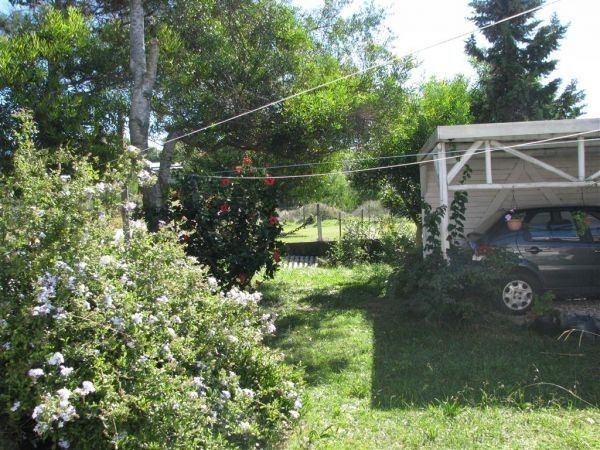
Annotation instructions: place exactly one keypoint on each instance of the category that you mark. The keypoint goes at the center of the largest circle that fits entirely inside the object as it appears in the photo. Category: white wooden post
(581, 158)
(443, 182)
(488, 163)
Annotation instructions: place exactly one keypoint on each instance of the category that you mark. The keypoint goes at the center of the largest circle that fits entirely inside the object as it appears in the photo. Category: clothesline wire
(356, 73)
(424, 161)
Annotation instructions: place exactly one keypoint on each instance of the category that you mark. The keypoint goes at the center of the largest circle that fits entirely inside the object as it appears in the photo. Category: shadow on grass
(419, 364)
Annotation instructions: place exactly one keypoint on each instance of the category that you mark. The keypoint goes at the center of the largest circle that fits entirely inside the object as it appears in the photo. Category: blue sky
(418, 23)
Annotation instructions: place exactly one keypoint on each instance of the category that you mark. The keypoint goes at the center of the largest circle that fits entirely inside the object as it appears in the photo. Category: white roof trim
(509, 131)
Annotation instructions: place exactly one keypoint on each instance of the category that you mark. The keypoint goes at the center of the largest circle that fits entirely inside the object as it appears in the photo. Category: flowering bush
(231, 224)
(110, 342)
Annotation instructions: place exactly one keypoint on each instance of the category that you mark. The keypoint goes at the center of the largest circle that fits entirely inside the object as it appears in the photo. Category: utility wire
(355, 73)
(415, 163)
(377, 158)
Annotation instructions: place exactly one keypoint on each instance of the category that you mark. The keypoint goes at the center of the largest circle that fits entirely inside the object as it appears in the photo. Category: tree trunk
(144, 77)
(155, 196)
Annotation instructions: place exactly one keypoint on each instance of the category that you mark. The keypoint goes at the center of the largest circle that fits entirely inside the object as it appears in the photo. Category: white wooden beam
(534, 185)
(594, 176)
(535, 161)
(488, 163)
(515, 174)
(443, 182)
(424, 178)
(581, 158)
(456, 168)
(550, 196)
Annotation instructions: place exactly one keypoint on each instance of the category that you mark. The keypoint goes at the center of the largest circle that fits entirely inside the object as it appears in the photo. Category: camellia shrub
(231, 224)
(109, 341)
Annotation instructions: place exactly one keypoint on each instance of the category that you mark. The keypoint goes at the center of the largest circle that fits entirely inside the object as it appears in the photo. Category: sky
(420, 23)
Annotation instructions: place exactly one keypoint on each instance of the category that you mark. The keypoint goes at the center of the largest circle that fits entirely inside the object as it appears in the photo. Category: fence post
(303, 214)
(362, 216)
(319, 225)
(340, 223)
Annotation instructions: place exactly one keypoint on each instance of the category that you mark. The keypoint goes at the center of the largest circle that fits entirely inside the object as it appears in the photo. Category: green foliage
(402, 130)
(111, 343)
(63, 69)
(514, 68)
(384, 240)
(231, 224)
(456, 227)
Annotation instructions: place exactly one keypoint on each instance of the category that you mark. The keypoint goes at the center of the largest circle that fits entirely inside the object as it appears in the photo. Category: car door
(593, 224)
(551, 243)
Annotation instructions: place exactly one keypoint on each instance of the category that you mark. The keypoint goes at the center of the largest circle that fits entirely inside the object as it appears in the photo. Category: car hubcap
(517, 295)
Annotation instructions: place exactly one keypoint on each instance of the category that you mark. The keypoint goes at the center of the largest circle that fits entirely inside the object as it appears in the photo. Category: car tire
(517, 293)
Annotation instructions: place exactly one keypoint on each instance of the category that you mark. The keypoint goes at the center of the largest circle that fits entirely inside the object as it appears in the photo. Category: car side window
(537, 227)
(564, 228)
(593, 222)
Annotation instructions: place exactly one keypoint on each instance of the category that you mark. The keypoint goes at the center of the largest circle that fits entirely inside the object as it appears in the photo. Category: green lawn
(331, 232)
(376, 379)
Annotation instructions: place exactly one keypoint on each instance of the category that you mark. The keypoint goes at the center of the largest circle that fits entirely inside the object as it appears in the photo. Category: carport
(522, 164)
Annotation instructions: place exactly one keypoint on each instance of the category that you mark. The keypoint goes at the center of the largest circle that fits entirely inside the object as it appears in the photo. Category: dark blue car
(558, 249)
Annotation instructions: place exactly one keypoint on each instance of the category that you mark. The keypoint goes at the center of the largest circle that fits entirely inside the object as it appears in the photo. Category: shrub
(231, 224)
(110, 343)
(381, 241)
(456, 288)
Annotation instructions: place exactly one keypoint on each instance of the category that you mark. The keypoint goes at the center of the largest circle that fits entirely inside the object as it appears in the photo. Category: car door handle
(534, 250)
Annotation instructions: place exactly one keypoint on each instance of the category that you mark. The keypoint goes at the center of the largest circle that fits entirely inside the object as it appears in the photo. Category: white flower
(152, 319)
(35, 373)
(294, 414)
(65, 178)
(37, 411)
(212, 282)
(298, 404)
(62, 443)
(81, 266)
(41, 235)
(226, 395)
(198, 382)
(65, 371)
(129, 206)
(16, 405)
(270, 328)
(87, 387)
(64, 394)
(117, 322)
(6, 346)
(248, 392)
(162, 299)
(244, 426)
(118, 236)
(137, 318)
(176, 319)
(56, 359)
(105, 260)
(171, 332)
(233, 339)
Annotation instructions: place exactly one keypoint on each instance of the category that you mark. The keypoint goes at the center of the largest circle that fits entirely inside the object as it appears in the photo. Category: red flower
(225, 182)
(238, 169)
(225, 208)
(273, 220)
(246, 161)
(277, 255)
(242, 278)
(269, 180)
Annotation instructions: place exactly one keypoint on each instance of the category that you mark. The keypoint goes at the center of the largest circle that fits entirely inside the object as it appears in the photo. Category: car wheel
(518, 292)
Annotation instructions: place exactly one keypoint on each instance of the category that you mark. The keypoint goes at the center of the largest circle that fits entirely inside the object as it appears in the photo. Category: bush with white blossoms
(106, 343)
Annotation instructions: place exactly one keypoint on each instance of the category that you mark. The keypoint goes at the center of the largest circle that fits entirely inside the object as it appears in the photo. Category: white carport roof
(511, 131)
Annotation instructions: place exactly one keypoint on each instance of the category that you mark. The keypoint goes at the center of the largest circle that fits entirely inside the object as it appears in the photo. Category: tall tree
(403, 125)
(514, 67)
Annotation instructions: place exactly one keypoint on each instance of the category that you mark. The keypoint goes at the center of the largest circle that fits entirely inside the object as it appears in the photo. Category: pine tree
(514, 68)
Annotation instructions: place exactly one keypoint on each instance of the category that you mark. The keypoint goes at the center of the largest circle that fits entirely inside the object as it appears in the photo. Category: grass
(376, 379)
(330, 227)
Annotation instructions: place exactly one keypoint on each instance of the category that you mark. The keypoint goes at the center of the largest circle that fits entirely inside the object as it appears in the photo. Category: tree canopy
(515, 67)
